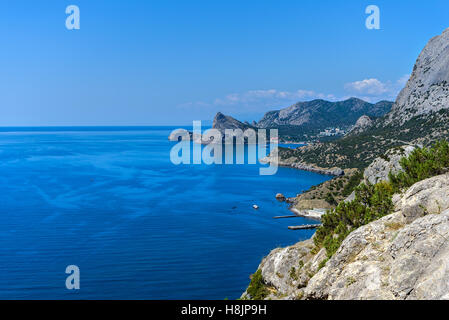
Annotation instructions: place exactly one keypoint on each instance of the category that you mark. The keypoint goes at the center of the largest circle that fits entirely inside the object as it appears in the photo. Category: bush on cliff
(375, 201)
(257, 288)
(422, 163)
(371, 203)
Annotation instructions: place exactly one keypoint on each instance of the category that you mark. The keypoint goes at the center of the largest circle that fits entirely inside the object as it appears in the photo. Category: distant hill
(321, 114)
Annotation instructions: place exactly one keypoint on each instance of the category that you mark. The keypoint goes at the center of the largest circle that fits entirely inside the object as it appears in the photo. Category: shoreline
(314, 214)
(335, 172)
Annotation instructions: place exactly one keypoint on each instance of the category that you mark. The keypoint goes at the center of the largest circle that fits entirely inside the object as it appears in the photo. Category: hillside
(317, 115)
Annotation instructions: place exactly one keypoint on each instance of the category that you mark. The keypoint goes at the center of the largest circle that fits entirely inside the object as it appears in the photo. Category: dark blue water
(111, 202)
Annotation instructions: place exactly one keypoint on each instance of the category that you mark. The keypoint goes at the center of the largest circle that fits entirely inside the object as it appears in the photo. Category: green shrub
(257, 288)
(372, 202)
(422, 163)
(330, 199)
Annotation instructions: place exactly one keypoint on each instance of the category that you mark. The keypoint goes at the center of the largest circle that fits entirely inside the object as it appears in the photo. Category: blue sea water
(110, 201)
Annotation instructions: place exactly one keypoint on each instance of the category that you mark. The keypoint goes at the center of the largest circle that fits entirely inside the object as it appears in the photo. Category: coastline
(292, 163)
(314, 214)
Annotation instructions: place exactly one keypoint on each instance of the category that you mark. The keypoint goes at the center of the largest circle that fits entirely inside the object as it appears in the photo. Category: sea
(109, 201)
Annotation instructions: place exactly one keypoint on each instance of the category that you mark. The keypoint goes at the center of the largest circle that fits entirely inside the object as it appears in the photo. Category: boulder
(280, 197)
(381, 167)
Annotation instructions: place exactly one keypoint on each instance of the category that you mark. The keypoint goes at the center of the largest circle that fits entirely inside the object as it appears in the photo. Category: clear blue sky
(171, 62)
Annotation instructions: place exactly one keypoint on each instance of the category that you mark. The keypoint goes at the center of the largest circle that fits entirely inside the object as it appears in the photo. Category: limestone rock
(427, 89)
(363, 123)
(380, 168)
(402, 256)
(287, 270)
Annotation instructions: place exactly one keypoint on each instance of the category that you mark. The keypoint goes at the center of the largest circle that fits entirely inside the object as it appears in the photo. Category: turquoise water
(110, 201)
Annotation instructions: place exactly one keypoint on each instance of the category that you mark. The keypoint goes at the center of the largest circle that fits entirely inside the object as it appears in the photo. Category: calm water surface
(110, 201)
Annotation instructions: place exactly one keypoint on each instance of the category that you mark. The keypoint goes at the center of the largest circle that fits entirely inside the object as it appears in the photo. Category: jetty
(286, 217)
(305, 227)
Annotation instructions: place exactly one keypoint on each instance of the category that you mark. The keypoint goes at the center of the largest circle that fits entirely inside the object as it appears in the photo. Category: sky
(170, 62)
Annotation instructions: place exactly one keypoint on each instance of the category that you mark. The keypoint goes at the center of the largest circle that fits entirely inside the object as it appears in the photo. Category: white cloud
(367, 86)
(259, 101)
(374, 90)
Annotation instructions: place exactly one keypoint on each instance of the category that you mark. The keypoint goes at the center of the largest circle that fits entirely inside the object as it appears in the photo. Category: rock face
(380, 168)
(288, 270)
(322, 114)
(280, 197)
(361, 125)
(427, 89)
(402, 256)
(222, 122)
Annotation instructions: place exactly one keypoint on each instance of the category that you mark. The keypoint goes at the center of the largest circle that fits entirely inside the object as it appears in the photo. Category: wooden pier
(305, 227)
(286, 217)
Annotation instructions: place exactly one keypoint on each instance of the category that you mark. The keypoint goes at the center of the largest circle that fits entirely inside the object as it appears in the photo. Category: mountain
(420, 116)
(427, 90)
(322, 114)
(223, 122)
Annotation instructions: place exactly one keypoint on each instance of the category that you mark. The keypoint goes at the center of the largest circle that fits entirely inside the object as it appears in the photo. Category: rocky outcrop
(320, 114)
(381, 167)
(427, 90)
(280, 197)
(363, 123)
(286, 271)
(404, 255)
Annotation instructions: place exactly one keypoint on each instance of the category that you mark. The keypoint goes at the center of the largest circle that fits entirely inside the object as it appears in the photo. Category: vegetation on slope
(360, 150)
(329, 193)
(257, 288)
(375, 201)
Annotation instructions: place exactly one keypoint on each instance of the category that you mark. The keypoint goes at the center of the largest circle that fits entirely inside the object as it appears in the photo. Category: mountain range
(322, 113)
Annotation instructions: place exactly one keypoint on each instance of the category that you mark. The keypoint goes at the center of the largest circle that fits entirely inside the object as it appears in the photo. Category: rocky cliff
(381, 167)
(427, 90)
(404, 255)
(362, 124)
